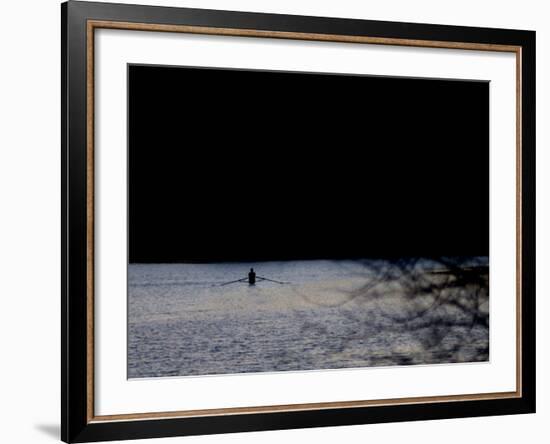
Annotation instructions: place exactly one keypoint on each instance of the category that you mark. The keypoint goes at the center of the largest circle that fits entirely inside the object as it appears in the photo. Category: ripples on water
(333, 314)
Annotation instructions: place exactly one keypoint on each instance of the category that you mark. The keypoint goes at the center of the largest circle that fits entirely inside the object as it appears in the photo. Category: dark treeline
(245, 166)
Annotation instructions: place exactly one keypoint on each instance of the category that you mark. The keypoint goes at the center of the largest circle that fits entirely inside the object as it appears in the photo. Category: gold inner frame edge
(92, 25)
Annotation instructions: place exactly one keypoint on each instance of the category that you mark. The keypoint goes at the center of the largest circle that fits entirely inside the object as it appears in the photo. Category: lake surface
(330, 314)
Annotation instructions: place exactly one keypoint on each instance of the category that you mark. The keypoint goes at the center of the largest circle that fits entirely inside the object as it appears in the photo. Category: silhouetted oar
(234, 282)
(271, 280)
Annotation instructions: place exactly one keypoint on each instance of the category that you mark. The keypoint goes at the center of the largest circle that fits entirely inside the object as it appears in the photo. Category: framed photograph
(275, 221)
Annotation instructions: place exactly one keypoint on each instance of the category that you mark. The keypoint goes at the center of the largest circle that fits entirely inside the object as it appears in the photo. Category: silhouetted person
(251, 277)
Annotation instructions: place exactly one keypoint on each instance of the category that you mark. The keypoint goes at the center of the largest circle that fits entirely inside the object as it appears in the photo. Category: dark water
(332, 314)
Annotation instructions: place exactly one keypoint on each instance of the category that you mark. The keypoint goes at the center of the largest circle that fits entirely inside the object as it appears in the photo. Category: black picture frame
(77, 423)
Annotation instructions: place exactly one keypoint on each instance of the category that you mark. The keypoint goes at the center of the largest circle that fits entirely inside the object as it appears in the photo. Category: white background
(30, 218)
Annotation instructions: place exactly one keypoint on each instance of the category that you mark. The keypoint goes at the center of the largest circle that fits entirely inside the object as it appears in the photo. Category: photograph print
(296, 221)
